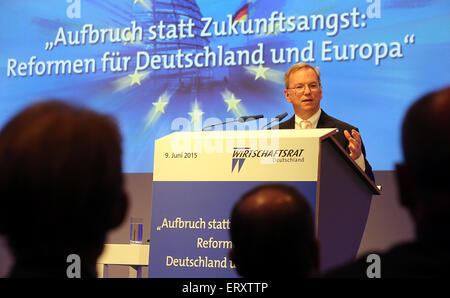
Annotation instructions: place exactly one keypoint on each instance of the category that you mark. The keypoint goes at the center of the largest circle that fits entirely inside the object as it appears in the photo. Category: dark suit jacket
(326, 121)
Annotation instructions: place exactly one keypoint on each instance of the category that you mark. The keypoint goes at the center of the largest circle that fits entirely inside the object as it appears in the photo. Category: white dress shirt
(314, 119)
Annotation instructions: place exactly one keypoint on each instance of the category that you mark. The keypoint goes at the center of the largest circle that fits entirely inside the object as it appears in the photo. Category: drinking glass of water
(136, 224)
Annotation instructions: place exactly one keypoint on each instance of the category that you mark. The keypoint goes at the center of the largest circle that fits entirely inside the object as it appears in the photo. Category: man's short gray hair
(296, 67)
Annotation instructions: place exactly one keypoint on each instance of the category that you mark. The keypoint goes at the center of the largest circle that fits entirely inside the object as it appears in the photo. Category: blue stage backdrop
(167, 65)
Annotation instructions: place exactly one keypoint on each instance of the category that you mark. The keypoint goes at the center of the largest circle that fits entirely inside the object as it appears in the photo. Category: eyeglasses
(300, 89)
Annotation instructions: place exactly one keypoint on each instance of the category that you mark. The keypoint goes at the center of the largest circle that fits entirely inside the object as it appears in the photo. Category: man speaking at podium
(304, 91)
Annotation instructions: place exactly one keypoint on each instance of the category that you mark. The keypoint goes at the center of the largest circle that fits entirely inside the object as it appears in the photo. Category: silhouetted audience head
(423, 177)
(61, 186)
(423, 182)
(272, 231)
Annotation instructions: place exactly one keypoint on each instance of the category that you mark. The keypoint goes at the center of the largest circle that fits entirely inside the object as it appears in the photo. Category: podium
(199, 176)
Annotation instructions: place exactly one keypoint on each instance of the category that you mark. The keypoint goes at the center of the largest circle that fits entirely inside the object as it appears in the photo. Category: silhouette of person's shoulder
(407, 260)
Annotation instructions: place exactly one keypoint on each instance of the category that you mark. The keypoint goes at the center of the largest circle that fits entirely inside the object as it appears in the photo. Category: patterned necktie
(305, 124)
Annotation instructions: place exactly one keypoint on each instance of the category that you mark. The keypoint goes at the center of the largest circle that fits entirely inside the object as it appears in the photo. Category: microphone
(250, 118)
(240, 119)
(277, 118)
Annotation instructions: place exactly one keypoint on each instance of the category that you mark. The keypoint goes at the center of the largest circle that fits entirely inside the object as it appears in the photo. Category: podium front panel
(238, 156)
(199, 176)
(190, 226)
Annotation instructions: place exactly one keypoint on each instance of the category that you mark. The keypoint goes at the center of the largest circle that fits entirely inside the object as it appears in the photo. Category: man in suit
(424, 192)
(304, 92)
